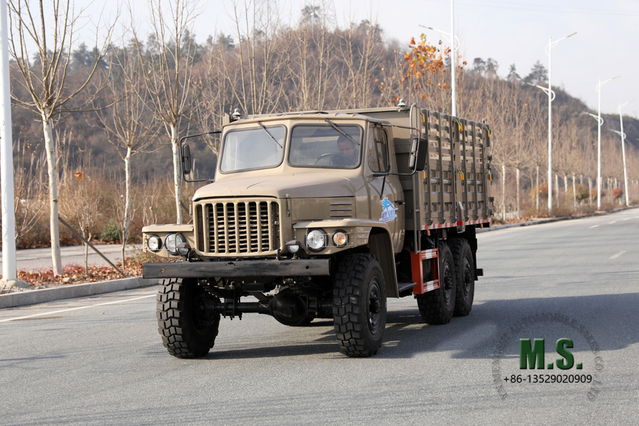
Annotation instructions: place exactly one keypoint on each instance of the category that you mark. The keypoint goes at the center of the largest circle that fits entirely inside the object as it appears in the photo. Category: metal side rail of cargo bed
(237, 268)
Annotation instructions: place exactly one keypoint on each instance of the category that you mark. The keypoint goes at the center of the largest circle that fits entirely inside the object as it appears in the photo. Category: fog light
(340, 238)
(183, 249)
(154, 243)
(293, 246)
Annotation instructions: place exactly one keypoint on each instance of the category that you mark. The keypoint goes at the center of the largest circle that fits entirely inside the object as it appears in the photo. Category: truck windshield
(258, 148)
(325, 146)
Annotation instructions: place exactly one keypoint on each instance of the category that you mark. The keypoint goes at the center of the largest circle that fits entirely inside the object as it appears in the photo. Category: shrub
(582, 192)
(617, 193)
(110, 233)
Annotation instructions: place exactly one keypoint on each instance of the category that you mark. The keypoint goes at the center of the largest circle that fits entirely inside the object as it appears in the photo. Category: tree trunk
(590, 190)
(86, 253)
(503, 192)
(127, 204)
(557, 189)
(518, 195)
(177, 179)
(56, 256)
(574, 192)
(537, 193)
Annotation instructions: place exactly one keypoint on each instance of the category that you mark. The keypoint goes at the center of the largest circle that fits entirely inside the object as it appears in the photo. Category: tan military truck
(326, 214)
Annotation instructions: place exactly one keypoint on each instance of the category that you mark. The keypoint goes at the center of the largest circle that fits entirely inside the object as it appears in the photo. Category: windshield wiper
(269, 133)
(336, 127)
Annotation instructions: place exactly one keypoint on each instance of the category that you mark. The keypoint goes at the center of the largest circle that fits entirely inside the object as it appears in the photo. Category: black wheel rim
(374, 308)
(468, 278)
(202, 317)
(448, 283)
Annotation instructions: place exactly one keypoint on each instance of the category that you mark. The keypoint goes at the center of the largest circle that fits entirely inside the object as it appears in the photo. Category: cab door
(385, 190)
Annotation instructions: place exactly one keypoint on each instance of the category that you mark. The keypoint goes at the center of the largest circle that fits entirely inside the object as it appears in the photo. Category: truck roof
(332, 114)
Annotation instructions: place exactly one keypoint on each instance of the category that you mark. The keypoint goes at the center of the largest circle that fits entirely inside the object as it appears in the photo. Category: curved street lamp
(453, 65)
(598, 89)
(549, 47)
(545, 90)
(623, 152)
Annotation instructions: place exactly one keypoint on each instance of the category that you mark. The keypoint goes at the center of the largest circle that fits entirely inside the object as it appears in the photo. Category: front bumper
(238, 269)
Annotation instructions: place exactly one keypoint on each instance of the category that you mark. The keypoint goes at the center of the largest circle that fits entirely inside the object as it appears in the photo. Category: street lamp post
(454, 41)
(549, 47)
(623, 153)
(9, 266)
(453, 65)
(598, 89)
(600, 122)
(551, 96)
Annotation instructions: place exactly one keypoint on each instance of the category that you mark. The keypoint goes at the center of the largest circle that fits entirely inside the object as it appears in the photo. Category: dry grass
(75, 274)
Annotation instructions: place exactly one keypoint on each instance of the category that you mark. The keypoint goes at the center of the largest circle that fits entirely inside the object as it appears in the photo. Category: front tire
(186, 321)
(359, 305)
(437, 306)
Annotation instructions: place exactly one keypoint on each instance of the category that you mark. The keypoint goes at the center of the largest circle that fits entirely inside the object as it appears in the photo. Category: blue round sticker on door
(388, 211)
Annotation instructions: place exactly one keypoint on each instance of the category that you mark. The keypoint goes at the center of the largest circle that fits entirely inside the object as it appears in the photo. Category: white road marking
(616, 255)
(76, 309)
(614, 221)
(594, 226)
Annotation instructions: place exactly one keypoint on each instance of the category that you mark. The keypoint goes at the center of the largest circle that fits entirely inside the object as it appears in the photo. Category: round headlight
(340, 238)
(171, 242)
(316, 240)
(154, 243)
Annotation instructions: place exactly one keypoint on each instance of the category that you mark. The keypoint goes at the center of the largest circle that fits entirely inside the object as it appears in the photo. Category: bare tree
(168, 73)
(82, 192)
(29, 190)
(45, 79)
(357, 51)
(522, 143)
(254, 69)
(310, 54)
(127, 123)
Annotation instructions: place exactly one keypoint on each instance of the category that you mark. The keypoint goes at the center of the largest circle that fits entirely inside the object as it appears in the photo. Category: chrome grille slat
(233, 227)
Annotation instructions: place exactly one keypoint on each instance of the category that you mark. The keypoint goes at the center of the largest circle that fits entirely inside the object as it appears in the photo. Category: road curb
(32, 297)
(551, 220)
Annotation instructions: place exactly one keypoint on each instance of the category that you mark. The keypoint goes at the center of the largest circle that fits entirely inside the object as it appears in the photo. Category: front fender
(362, 232)
(162, 231)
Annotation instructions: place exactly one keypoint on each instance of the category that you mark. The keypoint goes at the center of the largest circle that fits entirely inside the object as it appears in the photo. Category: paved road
(36, 259)
(99, 360)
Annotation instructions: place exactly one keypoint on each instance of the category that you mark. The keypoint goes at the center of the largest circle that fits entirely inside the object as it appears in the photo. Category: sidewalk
(40, 259)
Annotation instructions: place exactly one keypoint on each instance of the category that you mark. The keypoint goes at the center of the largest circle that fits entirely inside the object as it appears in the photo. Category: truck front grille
(234, 227)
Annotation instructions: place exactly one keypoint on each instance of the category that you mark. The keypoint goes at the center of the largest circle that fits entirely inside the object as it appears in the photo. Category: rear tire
(465, 271)
(437, 306)
(186, 322)
(359, 305)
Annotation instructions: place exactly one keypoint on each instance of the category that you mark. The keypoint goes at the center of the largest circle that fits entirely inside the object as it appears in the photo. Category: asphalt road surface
(100, 360)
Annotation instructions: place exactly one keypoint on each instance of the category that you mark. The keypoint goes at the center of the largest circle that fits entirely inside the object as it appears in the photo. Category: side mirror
(418, 152)
(186, 159)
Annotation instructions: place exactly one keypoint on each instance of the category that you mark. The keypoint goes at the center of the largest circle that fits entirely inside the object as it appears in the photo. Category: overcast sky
(509, 31)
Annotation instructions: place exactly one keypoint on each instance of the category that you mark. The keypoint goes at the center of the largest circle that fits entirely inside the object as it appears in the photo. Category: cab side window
(378, 159)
